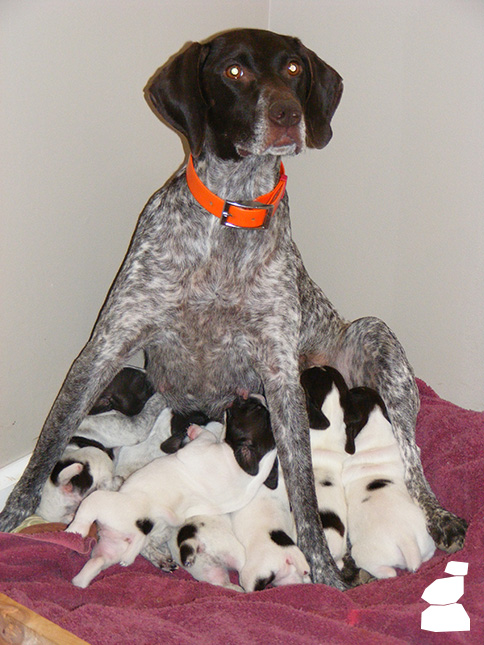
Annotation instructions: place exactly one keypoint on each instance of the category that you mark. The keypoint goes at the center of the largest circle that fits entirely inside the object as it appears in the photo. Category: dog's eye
(234, 72)
(294, 68)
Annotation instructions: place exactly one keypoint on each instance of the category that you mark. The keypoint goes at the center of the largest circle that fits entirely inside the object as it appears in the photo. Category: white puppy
(206, 547)
(168, 434)
(118, 416)
(207, 476)
(386, 527)
(326, 393)
(265, 527)
(85, 466)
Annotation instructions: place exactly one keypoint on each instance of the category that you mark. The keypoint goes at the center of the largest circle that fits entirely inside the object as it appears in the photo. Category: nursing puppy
(168, 434)
(207, 548)
(326, 396)
(386, 527)
(265, 527)
(207, 476)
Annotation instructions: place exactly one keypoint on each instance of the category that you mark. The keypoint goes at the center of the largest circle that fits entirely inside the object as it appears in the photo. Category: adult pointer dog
(217, 294)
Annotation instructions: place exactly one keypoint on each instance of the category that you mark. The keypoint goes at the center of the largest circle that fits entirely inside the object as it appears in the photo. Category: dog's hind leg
(368, 353)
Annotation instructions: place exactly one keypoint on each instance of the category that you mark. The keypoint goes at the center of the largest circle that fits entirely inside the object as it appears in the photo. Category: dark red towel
(140, 605)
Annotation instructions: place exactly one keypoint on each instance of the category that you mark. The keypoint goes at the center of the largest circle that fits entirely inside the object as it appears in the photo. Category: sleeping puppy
(386, 527)
(326, 396)
(87, 462)
(86, 465)
(266, 529)
(207, 548)
(207, 476)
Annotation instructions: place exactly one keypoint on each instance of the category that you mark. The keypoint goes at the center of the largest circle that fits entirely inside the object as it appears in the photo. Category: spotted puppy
(168, 434)
(207, 548)
(265, 527)
(386, 527)
(87, 463)
(326, 396)
(207, 476)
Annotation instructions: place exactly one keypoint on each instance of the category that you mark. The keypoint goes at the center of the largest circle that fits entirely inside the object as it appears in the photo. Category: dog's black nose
(285, 112)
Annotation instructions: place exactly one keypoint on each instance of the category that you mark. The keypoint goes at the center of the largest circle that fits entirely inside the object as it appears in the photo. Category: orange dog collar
(250, 214)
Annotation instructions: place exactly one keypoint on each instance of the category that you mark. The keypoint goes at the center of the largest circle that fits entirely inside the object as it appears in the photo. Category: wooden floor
(22, 626)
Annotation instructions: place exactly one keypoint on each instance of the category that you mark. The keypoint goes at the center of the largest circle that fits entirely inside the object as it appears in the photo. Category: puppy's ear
(325, 89)
(352, 430)
(173, 443)
(317, 420)
(246, 457)
(174, 94)
(273, 478)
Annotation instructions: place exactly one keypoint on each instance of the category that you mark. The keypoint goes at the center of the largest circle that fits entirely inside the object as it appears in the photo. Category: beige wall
(388, 217)
(396, 201)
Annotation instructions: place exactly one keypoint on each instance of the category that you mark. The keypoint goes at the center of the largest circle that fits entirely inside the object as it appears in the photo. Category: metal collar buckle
(250, 205)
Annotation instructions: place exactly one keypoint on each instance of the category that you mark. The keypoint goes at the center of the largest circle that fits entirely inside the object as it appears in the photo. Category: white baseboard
(9, 475)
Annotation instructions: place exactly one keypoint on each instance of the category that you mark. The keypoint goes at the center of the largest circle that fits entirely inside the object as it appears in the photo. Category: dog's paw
(167, 564)
(352, 575)
(188, 553)
(447, 531)
(160, 556)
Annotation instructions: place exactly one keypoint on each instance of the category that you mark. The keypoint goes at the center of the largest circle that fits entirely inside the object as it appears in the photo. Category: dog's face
(245, 92)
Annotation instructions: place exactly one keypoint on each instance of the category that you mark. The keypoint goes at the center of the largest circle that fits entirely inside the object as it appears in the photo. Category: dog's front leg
(90, 373)
(291, 431)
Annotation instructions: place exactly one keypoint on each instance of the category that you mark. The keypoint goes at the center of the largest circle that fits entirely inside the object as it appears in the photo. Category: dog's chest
(210, 337)
(221, 294)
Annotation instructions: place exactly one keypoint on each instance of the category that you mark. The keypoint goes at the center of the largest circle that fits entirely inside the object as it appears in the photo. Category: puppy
(386, 527)
(326, 400)
(168, 434)
(85, 466)
(265, 527)
(127, 393)
(206, 547)
(207, 476)
(87, 462)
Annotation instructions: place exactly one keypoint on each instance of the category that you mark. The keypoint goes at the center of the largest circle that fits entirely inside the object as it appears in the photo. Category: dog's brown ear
(325, 89)
(174, 94)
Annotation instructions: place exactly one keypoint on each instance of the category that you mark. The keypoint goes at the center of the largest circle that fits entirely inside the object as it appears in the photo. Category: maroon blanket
(143, 605)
